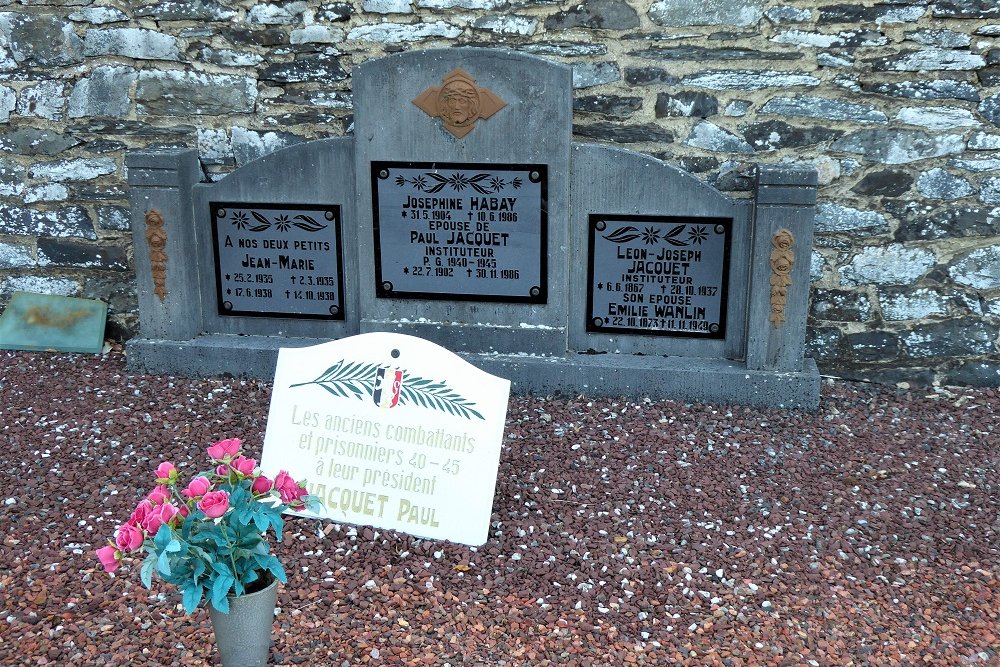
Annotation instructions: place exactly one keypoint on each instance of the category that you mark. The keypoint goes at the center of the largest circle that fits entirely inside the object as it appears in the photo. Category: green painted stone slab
(52, 322)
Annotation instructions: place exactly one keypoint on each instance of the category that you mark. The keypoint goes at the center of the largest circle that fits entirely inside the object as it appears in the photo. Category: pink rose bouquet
(208, 538)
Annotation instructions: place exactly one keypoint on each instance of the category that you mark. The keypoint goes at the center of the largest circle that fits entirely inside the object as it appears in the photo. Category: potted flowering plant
(208, 538)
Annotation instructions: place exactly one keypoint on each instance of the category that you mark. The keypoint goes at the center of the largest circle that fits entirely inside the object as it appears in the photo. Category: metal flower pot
(243, 636)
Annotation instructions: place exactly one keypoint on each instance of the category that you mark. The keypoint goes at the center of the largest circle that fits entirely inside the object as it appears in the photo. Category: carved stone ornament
(459, 103)
(782, 259)
(156, 239)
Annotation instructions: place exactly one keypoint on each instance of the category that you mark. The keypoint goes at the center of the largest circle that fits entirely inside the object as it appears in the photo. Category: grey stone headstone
(533, 128)
(301, 252)
(631, 187)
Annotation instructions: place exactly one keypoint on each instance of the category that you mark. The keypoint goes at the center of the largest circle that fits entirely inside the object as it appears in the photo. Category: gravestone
(489, 184)
(390, 431)
(228, 272)
(461, 212)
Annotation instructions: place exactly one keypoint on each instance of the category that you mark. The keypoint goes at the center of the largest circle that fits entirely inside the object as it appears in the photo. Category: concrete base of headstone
(218, 355)
(461, 338)
(675, 378)
(596, 375)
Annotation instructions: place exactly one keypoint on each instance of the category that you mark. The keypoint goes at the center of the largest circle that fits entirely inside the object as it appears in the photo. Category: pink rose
(129, 537)
(167, 512)
(151, 522)
(141, 511)
(214, 504)
(109, 558)
(244, 465)
(288, 488)
(166, 473)
(223, 448)
(199, 486)
(158, 516)
(222, 470)
(262, 485)
(159, 494)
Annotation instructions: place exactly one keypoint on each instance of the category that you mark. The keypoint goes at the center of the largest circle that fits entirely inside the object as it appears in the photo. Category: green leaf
(436, 396)
(221, 569)
(199, 569)
(220, 589)
(333, 389)
(209, 538)
(163, 537)
(191, 597)
(146, 572)
(313, 504)
(242, 516)
(351, 387)
(275, 568)
(186, 529)
(163, 565)
(221, 604)
(276, 522)
(330, 372)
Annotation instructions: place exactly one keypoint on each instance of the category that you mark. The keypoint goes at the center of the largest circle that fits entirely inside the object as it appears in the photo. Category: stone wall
(896, 103)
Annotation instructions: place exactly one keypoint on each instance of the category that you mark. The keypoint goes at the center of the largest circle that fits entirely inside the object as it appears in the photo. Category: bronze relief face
(459, 103)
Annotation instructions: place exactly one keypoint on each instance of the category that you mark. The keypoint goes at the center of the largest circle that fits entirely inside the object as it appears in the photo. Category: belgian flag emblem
(388, 382)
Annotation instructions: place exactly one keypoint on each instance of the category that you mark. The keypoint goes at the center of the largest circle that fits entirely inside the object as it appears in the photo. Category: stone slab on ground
(53, 322)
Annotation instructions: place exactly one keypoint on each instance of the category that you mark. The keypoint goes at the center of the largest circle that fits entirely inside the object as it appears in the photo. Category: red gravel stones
(623, 533)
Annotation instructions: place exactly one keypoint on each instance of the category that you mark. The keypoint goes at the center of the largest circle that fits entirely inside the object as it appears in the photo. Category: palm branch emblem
(393, 387)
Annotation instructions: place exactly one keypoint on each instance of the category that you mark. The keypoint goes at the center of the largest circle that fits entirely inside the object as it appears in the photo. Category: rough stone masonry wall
(897, 104)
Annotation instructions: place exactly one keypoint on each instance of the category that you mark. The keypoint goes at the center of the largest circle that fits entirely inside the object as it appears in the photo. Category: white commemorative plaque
(390, 431)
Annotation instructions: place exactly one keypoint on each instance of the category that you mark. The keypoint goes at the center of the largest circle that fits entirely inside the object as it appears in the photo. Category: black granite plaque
(278, 260)
(460, 231)
(658, 275)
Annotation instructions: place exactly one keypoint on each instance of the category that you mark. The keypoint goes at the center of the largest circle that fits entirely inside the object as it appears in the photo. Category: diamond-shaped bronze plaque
(459, 102)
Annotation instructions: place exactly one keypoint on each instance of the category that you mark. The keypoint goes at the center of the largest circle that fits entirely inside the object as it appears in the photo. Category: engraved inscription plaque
(278, 260)
(658, 275)
(460, 231)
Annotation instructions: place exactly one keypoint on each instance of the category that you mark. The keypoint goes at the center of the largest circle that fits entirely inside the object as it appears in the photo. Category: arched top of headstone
(603, 168)
(411, 62)
(279, 171)
(492, 104)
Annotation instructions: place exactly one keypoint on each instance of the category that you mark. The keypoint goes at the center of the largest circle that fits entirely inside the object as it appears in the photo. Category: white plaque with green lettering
(390, 431)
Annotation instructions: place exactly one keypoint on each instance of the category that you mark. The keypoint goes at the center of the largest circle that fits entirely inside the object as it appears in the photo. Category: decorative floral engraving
(431, 182)
(782, 260)
(651, 236)
(459, 103)
(156, 240)
(281, 222)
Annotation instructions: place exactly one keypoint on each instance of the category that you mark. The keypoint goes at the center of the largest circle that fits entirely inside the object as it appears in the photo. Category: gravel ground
(646, 533)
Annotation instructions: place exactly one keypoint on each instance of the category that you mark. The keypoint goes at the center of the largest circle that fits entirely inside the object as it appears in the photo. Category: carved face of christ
(458, 103)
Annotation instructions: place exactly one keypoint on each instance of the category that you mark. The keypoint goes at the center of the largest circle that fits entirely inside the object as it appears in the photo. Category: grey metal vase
(243, 636)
